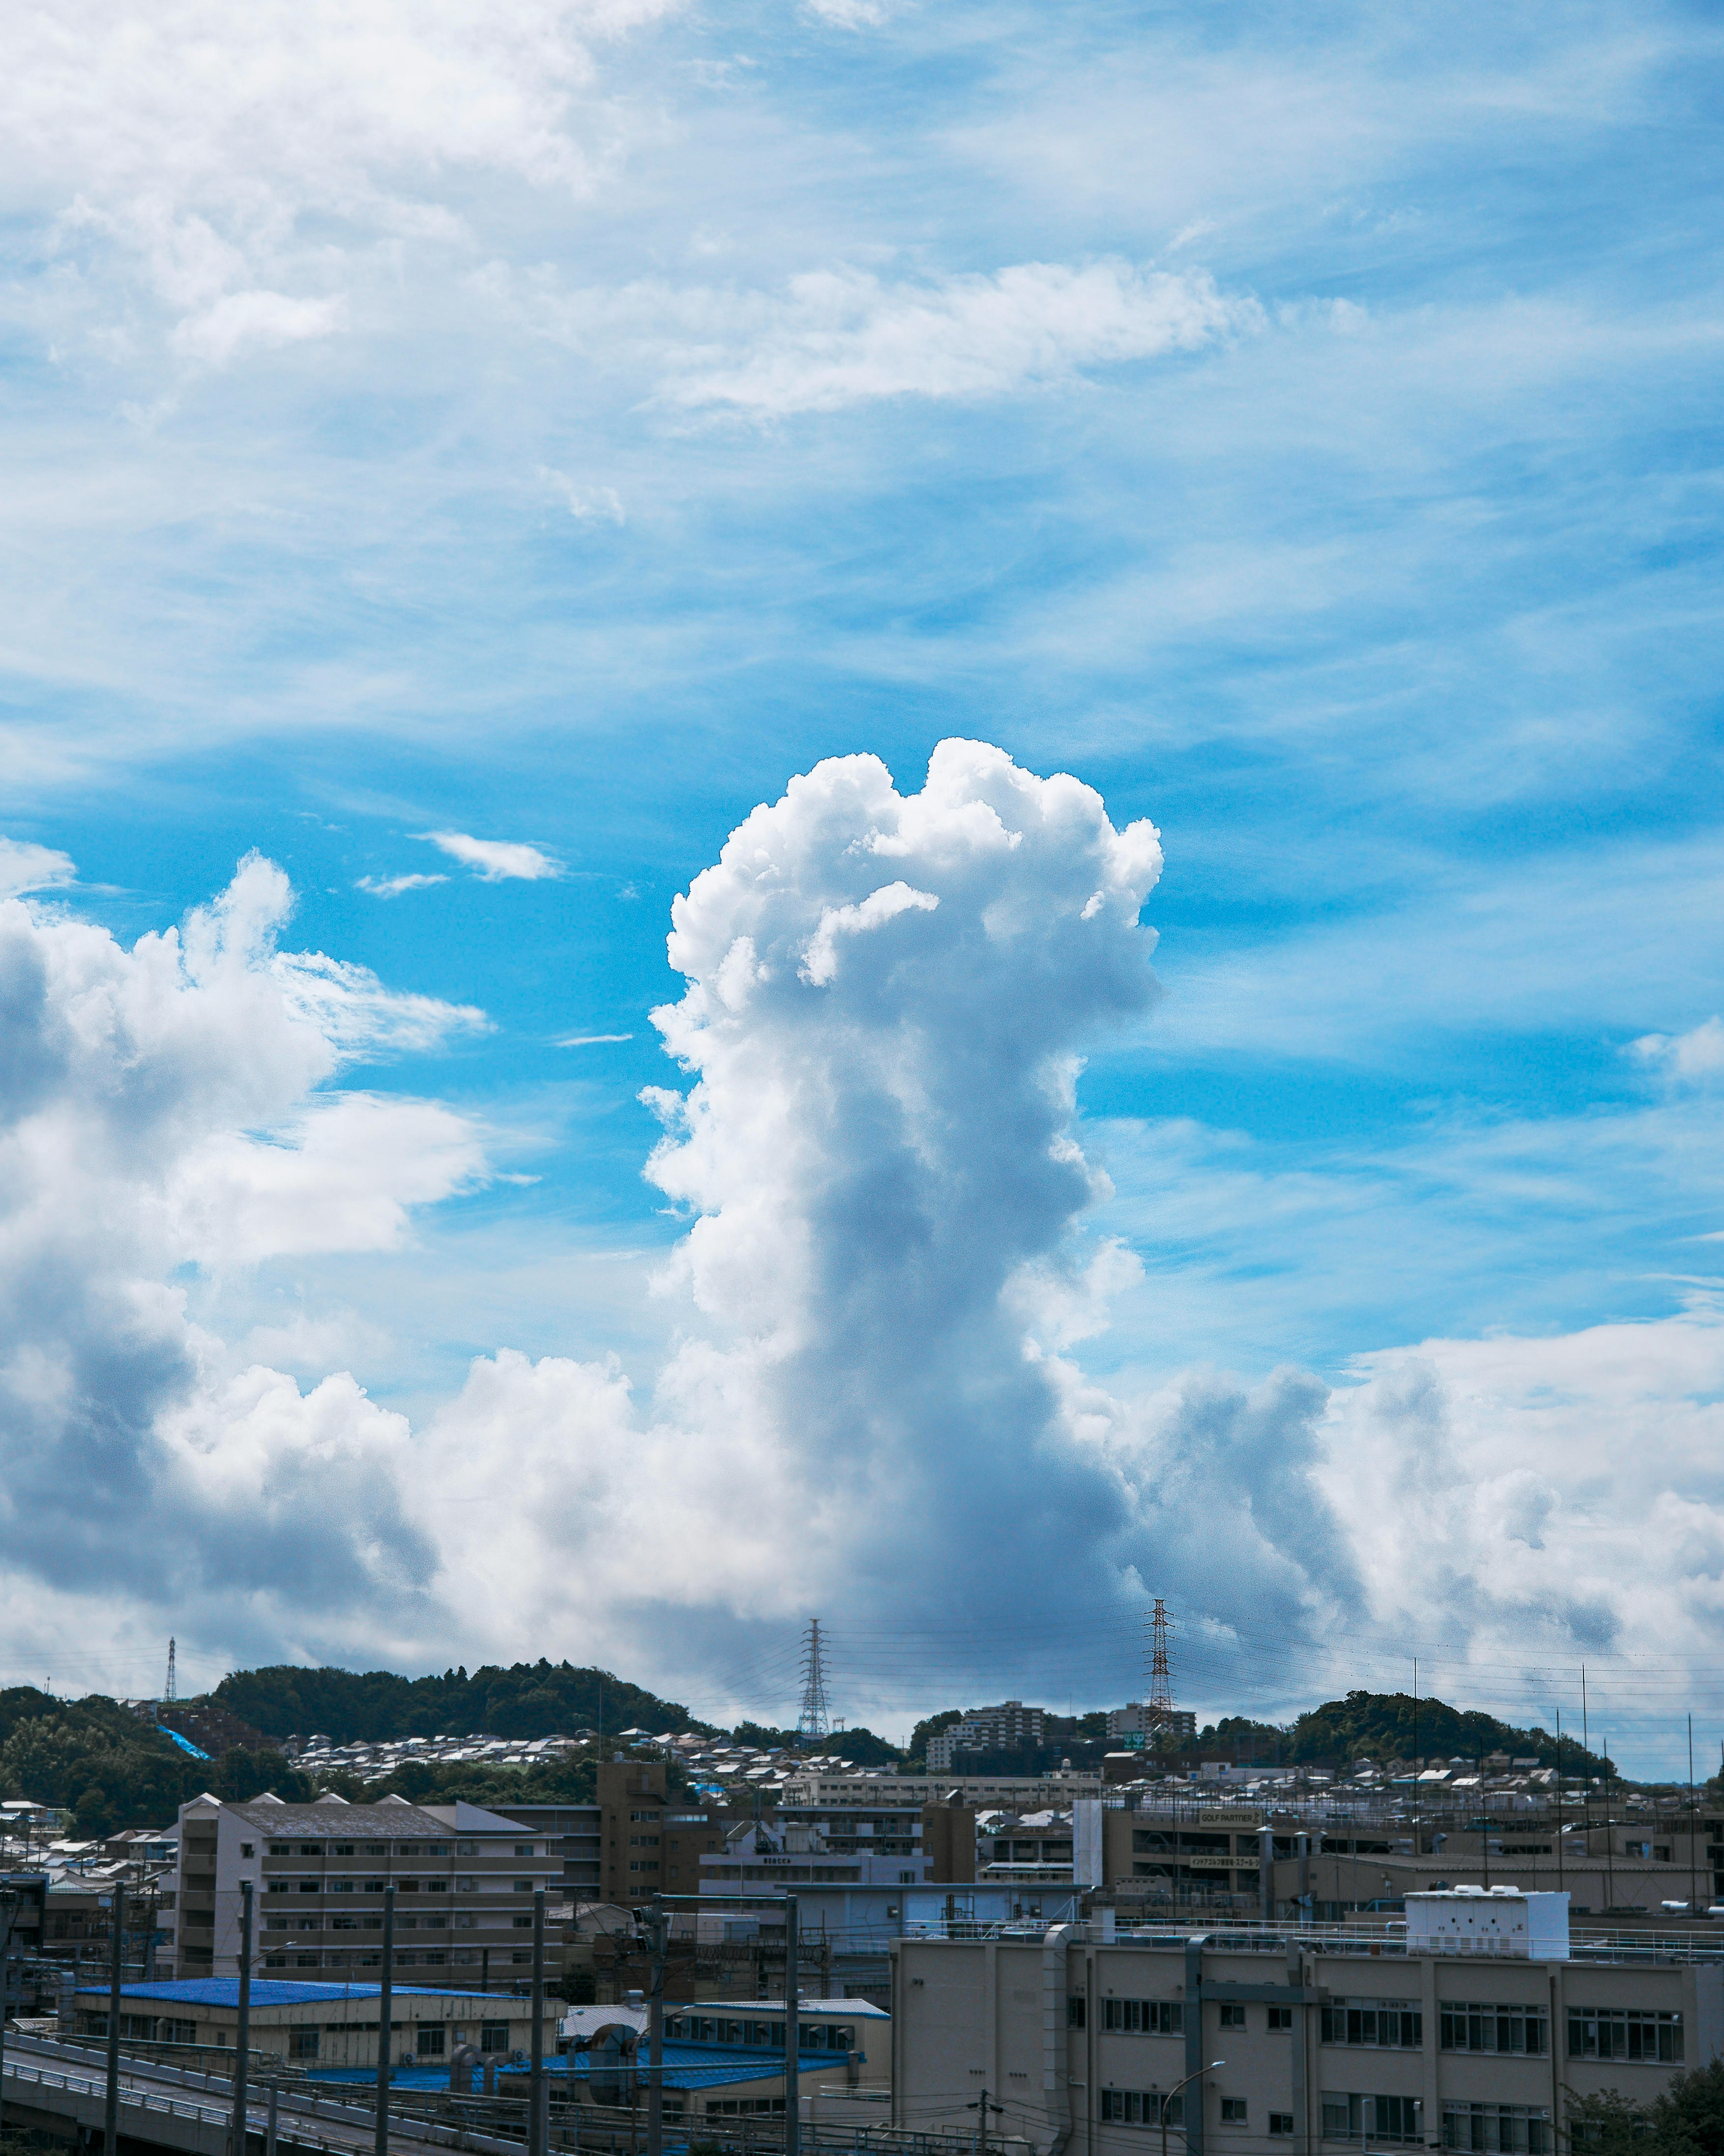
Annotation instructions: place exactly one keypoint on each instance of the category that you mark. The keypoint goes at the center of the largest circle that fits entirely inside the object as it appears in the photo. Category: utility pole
(1561, 1888)
(1415, 1759)
(535, 2054)
(657, 1926)
(110, 2107)
(982, 2108)
(9, 1899)
(384, 2001)
(1484, 1824)
(1693, 1882)
(793, 2038)
(241, 2057)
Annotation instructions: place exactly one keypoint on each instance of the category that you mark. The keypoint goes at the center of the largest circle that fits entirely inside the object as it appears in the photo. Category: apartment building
(1010, 1726)
(1020, 1793)
(649, 1841)
(1264, 2043)
(1136, 1724)
(464, 1880)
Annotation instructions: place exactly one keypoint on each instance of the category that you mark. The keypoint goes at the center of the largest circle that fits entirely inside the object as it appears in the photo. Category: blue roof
(224, 1991)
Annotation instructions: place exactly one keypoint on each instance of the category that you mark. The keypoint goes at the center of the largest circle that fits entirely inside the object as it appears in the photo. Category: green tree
(1607, 2124)
(932, 1727)
(1688, 2119)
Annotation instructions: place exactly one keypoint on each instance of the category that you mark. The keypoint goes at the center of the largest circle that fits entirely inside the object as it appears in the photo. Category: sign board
(1220, 1863)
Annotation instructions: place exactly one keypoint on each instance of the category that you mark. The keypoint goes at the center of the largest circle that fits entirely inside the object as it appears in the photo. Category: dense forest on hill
(531, 1699)
(1383, 1726)
(112, 1770)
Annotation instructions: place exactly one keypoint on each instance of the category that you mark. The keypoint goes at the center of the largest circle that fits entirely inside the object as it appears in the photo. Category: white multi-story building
(1134, 1725)
(1010, 1726)
(464, 1880)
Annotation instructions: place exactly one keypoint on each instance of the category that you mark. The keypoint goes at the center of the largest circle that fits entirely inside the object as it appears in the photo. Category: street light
(1174, 2091)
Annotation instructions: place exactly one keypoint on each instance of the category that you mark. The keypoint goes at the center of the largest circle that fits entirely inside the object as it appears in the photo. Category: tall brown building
(650, 1843)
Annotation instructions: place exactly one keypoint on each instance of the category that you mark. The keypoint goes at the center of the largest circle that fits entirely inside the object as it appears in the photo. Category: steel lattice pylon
(815, 1723)
(1158, 1695)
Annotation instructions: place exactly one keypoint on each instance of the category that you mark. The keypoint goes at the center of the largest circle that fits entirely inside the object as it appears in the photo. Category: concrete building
(1026, 1793)
(724, 2058)
(464, 1879)
(320, 2026)
(1010, 1726)
(650, 1843)
(1132, 1726)
(1287, 2041)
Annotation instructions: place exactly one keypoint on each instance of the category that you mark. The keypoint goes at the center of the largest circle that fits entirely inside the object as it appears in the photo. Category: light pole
(1174, 2091)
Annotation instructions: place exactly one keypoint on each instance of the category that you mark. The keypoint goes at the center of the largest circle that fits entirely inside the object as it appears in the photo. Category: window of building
(407, 1961)
(437, 1885)
(275, 1961)
(1504, 2129)
(344, 1923)
(519, 1956)
(310, 1886)
(522, 1885)
(652, 1816)
(275, 1885)
(179, 2032)
(526, 1849)
(466, 1848)
(1494, 2027)
(1394, 2023)
(1075, 2008)
(1144, 2017)
(466, 1919)
(1280, 2123)
(466, 1884)
(407, 1924)
(435, 1960)
(1232, 2111)
(281, 1849)
(1279, 2017)
(302, 2044)
(1380, 2118)
(494, 2036)
(437, 1849)
(305, 1961)
(1140, 2108)
(341, 1849)
(341, 1886)
(521, 1923)
(248, 1849)
(371, 1886)
(407, 1885)
(310, 1849)
(1233, 2013)
(427, 2042)
(1619, 2033)
(907, 1879)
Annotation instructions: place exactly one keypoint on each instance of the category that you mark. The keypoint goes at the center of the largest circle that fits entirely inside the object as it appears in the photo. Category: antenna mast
(1158, 1698)
(814, 1724)
(170, 1690)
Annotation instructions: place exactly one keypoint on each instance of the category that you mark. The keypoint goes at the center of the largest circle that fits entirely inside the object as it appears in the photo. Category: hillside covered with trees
(531, 1699)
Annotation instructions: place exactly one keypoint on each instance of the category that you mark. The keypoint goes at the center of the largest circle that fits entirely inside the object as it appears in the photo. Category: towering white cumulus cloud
(887, 995)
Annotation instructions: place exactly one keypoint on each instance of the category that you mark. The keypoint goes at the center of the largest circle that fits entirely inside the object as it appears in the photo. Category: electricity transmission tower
(170, 1690)
(814, 1724)
(1158, 1696)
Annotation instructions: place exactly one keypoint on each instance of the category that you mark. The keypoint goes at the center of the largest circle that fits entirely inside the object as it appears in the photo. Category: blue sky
(563, 425)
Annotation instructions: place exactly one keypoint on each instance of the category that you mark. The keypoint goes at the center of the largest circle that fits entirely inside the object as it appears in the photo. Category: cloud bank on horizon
(875, 1380)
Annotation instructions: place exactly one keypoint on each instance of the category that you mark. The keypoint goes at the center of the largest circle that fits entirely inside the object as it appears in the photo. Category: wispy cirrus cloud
(393, 886)
(844, 337)
(494, 861)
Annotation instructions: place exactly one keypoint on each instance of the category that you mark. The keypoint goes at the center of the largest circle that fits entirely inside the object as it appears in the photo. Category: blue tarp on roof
(686, 2067)
(224, 1991)
(185, 1743)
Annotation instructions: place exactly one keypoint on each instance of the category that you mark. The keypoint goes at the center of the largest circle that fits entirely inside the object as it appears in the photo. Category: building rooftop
(224, 1991)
